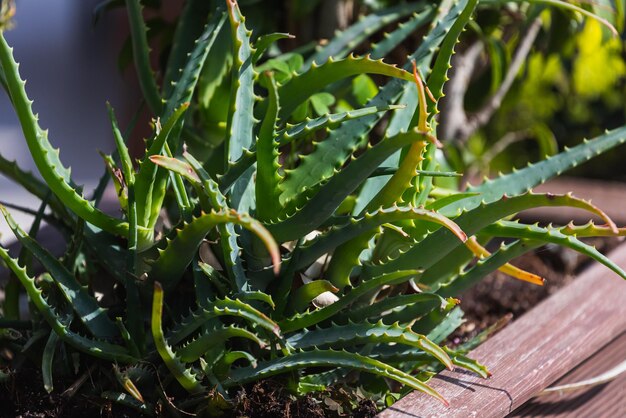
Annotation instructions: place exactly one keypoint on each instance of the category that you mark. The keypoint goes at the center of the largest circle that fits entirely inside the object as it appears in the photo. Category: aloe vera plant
(308, 265)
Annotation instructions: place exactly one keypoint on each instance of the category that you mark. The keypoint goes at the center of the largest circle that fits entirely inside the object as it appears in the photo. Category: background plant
(277, 238)
(535, 87)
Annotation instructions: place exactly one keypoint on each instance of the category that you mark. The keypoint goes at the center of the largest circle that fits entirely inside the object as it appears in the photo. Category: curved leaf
(265, 41)
(327, 358)
(316, 316)
(221, 307)
(342, 233)
(460, 360)
(303, 296)
(521, 181)
(192, 351)
(185, 377)
(439, 244)
(304, 85)
(174, 259)
(366, 332)
(487, 265)
(481, 252)
(210, 195)
(552, 235)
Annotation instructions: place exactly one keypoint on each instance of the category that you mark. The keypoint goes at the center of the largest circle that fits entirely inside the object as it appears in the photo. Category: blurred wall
(71, 71)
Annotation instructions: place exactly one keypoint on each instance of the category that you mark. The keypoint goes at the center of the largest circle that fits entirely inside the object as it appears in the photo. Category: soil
(24, 397)
(269, 399)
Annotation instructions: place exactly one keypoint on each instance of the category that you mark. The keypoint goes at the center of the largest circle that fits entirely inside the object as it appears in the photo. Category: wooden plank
(533, 352)
(607, 400)
(608, 196)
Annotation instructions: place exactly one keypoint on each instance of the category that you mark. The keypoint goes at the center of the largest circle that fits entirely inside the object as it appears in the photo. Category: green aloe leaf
(47, 360)
(149, 185)
(334, 151)
(174, 259)
(265, 41)
(189, 28)
(303, 296)
(230, 246)
(96, 348)
(185, 84)
(256, 295)
(241, 116)
(329, 196)
(326, 358)
(413, 315)
(392, 39)
(591, 230)
(316, 316)
(550, 235)
(439, 73)
(267, 175)
(141, 54)
(192, 351)
(297, 131)
(521, 181)
(339, 234)
(221, 307)
(345, 42)
(214, 80)
(422, 303)
(93, 316)
(304, 85)
(460, 360)
(127, 163)
(45, 156)
(365, 332)
(186, 377)
(487, 265)
(439, 244)
(33, 185)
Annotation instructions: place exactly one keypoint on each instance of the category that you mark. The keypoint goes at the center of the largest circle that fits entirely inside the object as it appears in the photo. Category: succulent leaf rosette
(261, 238)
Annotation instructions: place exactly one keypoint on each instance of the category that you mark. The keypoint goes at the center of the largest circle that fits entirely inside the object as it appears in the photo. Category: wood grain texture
(607, 400)
(533, 352)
